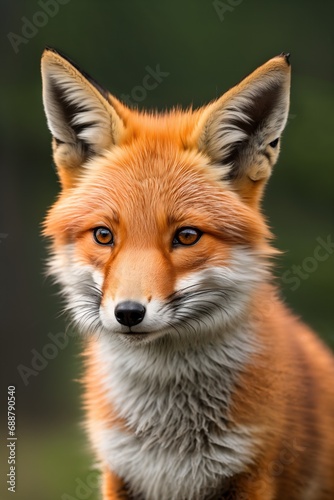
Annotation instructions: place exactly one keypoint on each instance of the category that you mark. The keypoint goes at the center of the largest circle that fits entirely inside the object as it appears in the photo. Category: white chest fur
(181, 442)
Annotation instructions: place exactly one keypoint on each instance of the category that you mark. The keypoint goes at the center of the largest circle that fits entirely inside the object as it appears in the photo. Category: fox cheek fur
(197, 377)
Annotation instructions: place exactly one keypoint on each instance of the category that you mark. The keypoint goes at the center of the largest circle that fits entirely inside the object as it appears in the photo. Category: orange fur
(155, 174)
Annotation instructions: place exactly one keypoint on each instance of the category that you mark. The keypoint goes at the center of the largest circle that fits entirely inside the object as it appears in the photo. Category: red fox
(199, 382)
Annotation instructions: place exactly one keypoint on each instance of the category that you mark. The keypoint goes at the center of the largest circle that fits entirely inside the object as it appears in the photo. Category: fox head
(157, 231)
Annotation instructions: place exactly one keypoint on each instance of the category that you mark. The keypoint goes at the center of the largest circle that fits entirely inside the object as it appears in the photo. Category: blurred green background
(206, 47)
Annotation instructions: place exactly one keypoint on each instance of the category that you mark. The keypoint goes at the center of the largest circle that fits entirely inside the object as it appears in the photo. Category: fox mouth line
(133, 334)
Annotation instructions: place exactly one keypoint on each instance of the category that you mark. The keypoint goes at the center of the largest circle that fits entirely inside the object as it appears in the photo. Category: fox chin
(199, 382)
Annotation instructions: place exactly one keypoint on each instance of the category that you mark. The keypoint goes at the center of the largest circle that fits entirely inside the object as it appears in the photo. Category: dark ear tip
(47, 48)
(58, 53)
(286, 56)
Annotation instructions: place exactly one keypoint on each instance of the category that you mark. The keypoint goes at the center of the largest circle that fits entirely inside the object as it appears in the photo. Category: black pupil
(103, 234)
(188, 234)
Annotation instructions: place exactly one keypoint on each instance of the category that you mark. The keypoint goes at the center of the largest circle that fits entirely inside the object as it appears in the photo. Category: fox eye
(103, 236)
(274, 143)
(187, 236)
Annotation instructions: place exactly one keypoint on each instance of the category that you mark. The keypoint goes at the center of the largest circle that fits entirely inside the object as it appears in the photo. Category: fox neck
(159, 375)
(175, 404)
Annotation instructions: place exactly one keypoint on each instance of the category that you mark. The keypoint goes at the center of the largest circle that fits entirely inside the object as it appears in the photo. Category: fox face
(157, 232)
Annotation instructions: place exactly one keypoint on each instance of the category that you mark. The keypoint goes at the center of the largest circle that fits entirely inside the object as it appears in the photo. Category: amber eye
(187, 236)
(103, 236)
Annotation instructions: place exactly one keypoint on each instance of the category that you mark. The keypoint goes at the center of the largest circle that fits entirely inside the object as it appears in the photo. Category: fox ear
(79, 113)
(241, 131)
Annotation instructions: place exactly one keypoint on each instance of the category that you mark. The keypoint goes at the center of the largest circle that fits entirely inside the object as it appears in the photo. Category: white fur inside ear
(74, 108)
(240, 128)
(224, 133)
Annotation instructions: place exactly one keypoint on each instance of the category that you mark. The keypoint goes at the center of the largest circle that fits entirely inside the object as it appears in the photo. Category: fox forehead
(150, 187)
(144, 176)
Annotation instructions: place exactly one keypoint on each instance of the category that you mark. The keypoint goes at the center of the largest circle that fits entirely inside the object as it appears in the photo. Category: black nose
(129, 313)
